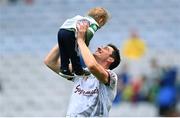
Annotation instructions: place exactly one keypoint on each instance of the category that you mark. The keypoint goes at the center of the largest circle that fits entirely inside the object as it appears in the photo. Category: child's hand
(82, 26)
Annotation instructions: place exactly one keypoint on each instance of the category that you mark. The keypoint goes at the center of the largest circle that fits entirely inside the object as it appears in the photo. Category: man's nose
(99, 48)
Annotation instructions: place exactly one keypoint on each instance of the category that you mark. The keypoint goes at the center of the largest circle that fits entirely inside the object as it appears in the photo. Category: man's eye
(106, 48)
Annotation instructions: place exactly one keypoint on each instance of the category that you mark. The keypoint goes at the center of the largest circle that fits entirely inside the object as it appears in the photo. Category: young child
(95, 18)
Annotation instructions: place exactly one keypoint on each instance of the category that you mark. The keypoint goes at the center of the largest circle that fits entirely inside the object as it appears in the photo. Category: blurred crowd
(160, 87)
(13, 2)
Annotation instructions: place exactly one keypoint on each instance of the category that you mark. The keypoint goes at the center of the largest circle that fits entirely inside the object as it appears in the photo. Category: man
(92, 95)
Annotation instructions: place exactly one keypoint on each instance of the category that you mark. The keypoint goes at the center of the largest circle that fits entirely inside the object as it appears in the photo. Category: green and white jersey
(70, 24)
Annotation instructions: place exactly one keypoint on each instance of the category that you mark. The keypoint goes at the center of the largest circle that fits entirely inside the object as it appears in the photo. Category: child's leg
(62, 37)
(69, 49)
(73, 53)
(76, 62)
(75, 59)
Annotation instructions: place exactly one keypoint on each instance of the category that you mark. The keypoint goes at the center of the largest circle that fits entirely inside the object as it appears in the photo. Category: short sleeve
(112, 79)
(93, 28)
(90, 33)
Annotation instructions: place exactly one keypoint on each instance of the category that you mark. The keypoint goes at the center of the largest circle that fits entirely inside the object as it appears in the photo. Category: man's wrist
(80, 40)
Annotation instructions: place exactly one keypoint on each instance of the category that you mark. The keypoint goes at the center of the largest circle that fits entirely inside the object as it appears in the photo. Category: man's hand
(81, 30)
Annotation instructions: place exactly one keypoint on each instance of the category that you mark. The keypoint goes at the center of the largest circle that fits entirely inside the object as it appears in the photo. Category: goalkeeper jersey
(92, 98)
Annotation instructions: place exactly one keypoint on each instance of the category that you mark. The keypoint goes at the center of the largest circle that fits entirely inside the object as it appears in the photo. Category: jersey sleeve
(112, 80)
(90, 33)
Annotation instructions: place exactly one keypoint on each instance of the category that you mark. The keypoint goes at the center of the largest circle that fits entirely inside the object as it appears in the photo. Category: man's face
(103, 53)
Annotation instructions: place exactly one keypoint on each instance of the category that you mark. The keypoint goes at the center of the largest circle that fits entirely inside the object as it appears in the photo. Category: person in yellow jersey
(134, 47)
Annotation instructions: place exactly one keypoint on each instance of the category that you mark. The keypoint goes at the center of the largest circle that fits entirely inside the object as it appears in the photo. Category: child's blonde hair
(99, 14)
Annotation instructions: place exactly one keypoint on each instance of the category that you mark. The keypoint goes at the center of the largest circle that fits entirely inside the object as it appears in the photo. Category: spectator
(134, 47)
(166, 101)
(167, 95)
(169, 78)
(154, 78)
(123, 80)
(124, 75)
(3, 2)
(136, 85)
(29, 2)
(13, 1)
(127, 93)
(144, 89)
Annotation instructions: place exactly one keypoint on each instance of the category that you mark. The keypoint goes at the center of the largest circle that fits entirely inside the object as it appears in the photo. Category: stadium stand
(27, 33)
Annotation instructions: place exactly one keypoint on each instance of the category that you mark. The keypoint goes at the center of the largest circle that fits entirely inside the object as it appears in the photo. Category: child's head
(99, 14)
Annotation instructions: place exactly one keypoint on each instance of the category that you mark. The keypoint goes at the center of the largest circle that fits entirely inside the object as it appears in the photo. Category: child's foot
(82, 72)
(66, 73)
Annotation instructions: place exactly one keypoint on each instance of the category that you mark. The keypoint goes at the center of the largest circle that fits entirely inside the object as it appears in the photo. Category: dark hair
(116, 55)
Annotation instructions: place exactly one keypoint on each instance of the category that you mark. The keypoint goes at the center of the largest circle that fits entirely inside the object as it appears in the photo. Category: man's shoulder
(112, 73)
(112, 79)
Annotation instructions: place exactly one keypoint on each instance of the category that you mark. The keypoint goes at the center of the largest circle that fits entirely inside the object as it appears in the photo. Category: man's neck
(103, 64)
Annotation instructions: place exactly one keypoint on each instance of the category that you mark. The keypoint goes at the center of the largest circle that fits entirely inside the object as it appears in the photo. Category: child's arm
(90, 33)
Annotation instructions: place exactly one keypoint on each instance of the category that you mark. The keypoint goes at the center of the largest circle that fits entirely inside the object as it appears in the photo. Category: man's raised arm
(52, 60)
(95, 68)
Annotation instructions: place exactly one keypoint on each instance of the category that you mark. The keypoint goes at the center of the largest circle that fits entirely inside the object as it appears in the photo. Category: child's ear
(101, 21)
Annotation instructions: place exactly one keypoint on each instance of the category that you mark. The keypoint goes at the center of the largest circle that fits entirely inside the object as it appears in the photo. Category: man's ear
(110, 59)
